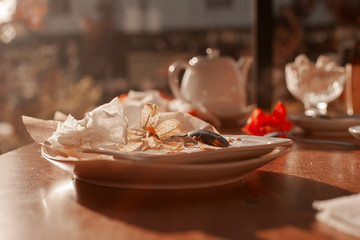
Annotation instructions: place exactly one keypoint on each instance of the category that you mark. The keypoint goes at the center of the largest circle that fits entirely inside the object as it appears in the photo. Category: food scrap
(151, 132)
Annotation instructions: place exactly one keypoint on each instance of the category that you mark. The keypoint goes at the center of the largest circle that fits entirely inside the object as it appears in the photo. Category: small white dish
(355, 131)
(226, 166)
(331, 126)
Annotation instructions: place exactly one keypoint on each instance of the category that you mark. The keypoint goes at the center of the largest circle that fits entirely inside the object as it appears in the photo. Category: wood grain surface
(40, 201)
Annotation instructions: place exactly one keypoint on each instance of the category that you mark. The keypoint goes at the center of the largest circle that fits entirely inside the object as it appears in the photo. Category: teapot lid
(212, 56)
(212, 53)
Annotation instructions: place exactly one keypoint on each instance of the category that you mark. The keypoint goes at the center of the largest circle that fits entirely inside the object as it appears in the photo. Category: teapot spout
(244, 64)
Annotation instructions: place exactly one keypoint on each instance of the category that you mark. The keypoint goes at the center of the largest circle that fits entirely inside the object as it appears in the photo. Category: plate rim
(278, 150)
(270, 143)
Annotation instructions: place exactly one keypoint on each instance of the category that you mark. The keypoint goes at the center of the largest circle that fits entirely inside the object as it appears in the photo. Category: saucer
(328, 126)
(239, 118)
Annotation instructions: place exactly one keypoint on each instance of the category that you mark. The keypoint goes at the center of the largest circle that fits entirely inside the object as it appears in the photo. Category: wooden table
(40, 201)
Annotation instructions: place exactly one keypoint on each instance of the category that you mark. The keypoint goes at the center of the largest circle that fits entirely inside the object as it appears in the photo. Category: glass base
(314, 110)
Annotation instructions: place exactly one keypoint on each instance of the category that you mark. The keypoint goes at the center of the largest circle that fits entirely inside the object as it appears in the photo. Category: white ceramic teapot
(219, 84)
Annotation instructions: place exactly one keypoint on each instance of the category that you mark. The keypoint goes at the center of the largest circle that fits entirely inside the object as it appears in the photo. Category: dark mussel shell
(209, 138)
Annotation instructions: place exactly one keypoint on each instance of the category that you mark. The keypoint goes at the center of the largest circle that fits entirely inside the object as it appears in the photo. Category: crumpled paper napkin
(105, 126)
(342, 213)
(139, 98)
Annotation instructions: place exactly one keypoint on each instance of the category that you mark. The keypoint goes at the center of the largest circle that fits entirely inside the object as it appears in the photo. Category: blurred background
(73, 55)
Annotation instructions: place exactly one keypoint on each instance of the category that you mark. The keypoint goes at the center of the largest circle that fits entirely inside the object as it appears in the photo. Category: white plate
(334, 125)
(161, 175)
(355, 131)
(242, 147)
(142, 175)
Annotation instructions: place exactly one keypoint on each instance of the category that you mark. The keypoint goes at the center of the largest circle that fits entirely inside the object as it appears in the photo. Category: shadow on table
(261, 202)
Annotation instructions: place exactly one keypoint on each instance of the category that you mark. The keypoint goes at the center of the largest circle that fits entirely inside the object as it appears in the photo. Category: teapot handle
(173, 77)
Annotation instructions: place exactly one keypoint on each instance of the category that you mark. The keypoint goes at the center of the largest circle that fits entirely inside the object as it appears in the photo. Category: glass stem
(322, 108)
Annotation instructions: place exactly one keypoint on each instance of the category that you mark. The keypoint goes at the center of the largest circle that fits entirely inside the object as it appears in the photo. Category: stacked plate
(202, 167)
